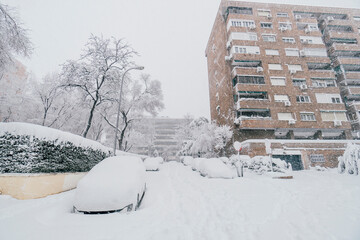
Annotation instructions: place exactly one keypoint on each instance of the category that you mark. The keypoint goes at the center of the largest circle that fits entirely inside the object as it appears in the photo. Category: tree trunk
(123, 131)
(90, 118)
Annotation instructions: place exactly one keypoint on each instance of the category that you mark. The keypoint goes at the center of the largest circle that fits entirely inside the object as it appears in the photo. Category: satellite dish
(237, 146)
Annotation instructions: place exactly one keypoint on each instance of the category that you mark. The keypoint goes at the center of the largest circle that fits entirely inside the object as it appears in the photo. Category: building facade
(281, 71)
(162, 132)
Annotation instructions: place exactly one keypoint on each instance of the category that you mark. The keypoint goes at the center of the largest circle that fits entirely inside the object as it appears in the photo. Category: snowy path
(180, 204)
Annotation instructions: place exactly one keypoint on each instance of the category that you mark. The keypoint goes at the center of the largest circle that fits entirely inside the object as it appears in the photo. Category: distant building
(284, 71)
(162, 131)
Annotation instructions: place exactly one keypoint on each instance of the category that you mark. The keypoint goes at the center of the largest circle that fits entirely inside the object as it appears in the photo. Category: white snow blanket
(196, 162)
(180, 204)
(216, 168)
(153, 164)
(112, 184)
(187, 160)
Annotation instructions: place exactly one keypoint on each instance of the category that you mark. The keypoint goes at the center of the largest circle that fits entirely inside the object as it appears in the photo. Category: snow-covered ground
(180, 204)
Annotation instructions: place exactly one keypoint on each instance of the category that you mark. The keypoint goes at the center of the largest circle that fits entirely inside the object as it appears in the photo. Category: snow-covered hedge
(29, 148)
(350, 161)
(187, 160)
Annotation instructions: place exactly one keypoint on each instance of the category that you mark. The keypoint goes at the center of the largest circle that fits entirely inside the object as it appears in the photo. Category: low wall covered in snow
(29, 186)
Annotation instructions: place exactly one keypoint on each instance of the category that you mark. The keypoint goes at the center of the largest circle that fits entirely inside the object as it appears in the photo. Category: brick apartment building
(281, 71)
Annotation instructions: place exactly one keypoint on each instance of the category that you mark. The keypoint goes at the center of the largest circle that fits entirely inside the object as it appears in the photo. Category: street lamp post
(119, 104)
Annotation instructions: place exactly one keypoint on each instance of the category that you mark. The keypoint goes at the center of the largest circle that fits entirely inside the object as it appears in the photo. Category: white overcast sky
(169, 35)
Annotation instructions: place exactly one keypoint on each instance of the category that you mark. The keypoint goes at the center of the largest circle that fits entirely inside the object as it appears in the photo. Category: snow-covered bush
(350, 161)
(196, 163)
(260, 164)
(215, 168)
(187, 160)
(113, 184)
(29, 148)
(153, 164)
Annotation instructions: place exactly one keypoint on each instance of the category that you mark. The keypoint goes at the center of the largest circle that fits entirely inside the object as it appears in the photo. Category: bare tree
(97, 71)
(141, 96)
(13, 38)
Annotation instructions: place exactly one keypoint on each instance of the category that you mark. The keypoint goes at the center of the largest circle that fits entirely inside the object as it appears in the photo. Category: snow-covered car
(114, 184)
(216, 168)
(153, 163)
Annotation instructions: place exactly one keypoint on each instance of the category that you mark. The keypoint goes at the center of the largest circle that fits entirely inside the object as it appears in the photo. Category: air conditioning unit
(269, 16)
(283, 29)
(303, 86)
(337, 123)
(287, 103)
(228, 44)
(292, 71)
(302, 53)
(297, 17)
(330, 18)
(252, 27)
(229, 58)
(259, 69)
(292, 121)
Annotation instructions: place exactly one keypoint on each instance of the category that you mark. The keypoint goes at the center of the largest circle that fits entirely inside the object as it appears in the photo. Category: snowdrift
(216, 168)
(153, 163)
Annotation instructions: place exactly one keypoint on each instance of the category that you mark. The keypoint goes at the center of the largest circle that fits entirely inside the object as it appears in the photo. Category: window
(248, 80)
(252, 95)
(335, 100)
(264, 12)
(307, 117)
(277, 81)
(294, 67)
(272, 52)
(282, 14)
(240, 23)
(318, 66)
(243, 36)
(328, 115)
(303, 99)
(356, 18)
(298, 81)
(240, 49)
(323, 82)
(311, 40)
(285, 116)
(274, 66)
(269, 38)
(317, 158)
(328, 98)
(292, 52)
(266, 25)
(245, 49)
(315, 52)
(281, 98)
(288, 40)
(255, 113)
(285, 25)
(344, 40)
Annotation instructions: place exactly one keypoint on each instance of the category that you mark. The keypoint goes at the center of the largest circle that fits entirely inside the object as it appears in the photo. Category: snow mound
(50, 134)
(216, 168)
(153, 164)
(196, 162)
(350, 161)
(187, 160)
(113, 184)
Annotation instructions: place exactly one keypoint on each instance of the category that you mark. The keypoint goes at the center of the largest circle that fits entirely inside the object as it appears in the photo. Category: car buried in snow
(115, 184)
